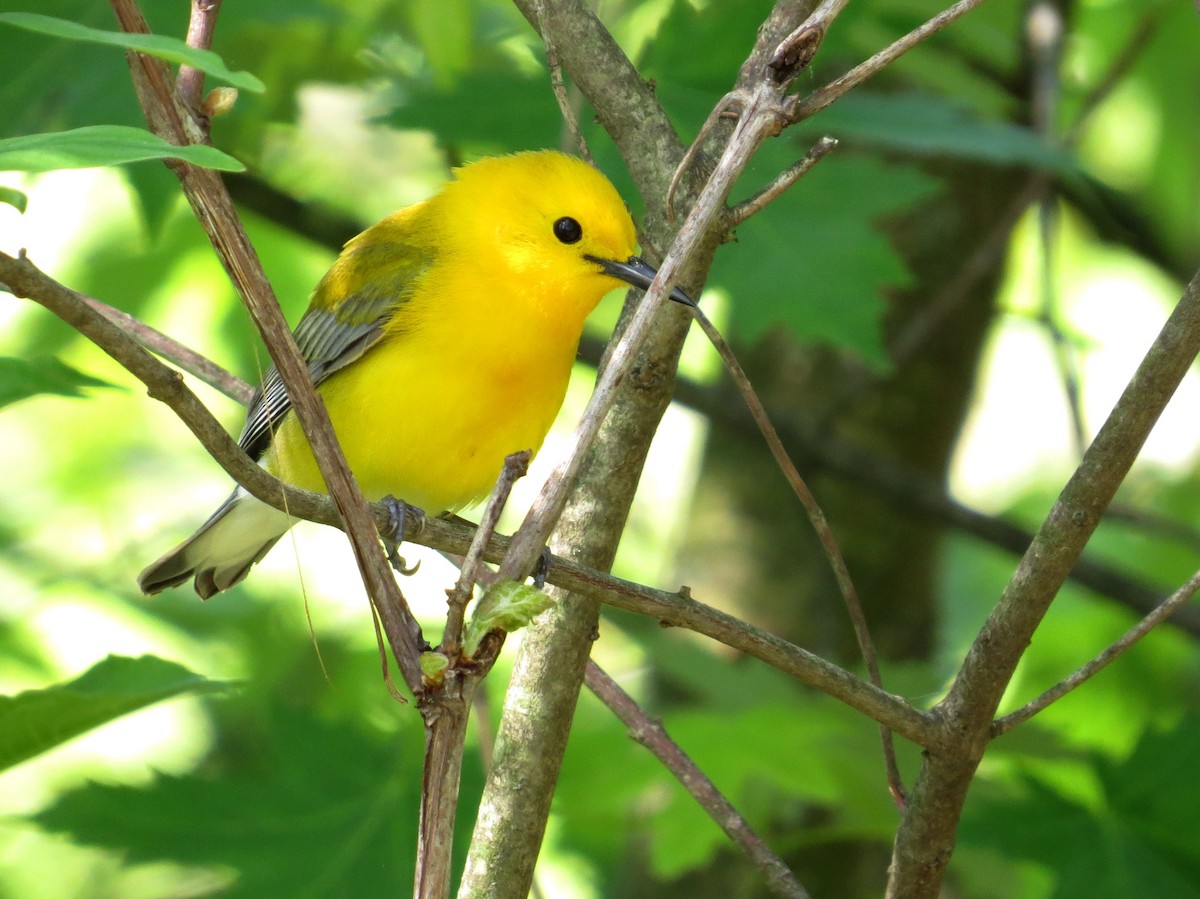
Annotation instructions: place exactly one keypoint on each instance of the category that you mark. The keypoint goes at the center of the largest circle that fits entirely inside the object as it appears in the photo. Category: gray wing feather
(333, 346)
(331, 340)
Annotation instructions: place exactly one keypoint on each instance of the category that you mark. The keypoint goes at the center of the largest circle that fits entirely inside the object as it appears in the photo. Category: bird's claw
(542, 567)
(398, 512)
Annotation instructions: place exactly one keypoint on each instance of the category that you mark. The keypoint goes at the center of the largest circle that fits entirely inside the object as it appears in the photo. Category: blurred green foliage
(302, 783)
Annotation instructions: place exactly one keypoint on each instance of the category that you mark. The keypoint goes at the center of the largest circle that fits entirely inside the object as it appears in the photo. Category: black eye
(568, 230)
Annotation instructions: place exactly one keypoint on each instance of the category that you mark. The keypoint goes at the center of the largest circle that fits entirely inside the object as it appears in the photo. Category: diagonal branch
(651, 734)
(925, 839)
(780, 183)
(820, 525)
(1100, 662)
(172, 120)
(801, 108)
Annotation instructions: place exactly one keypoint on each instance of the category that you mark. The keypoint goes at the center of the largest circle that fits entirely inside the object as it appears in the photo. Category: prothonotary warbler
(441, 341)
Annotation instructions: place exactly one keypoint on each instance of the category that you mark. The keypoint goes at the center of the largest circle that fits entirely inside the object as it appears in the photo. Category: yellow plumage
(441, 341)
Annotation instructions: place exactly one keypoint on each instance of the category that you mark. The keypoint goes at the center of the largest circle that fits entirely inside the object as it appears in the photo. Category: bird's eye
(568, 230)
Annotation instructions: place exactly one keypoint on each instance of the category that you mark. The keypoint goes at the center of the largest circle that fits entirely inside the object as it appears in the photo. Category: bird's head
(551, 224)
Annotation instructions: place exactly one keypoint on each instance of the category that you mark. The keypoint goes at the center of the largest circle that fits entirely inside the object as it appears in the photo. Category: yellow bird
(441, 340)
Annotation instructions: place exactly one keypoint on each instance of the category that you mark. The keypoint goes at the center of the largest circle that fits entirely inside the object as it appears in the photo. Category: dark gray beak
(638, 273)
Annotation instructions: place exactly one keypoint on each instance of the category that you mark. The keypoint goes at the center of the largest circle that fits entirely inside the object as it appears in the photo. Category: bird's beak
(638, 273)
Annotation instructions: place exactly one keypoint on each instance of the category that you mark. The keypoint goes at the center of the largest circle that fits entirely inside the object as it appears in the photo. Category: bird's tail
(222, 551)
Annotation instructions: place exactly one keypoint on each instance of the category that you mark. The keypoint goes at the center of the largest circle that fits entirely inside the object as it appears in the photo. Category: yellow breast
(428, 415)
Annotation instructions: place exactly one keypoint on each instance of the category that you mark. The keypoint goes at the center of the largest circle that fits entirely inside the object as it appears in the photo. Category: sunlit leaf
(13, 197)
(100, 145)
(37, 720)
(303, 807)
(506, 606)
(23, 378)
(164, 47)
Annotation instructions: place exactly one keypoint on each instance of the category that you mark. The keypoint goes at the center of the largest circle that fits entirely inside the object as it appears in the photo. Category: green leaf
(13, 197)
(925, 124)
(506, 606)
(1138, 840)
(814, 262)
(502, 110)
(101, 145)
(1156, 792)
(297, 805)
(37, 720)
(169, 48)
(23, 378)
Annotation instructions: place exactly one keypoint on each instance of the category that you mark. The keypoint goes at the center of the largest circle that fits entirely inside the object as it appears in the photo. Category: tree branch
(799, 108)
(549, 668)
(173, 351)
(172, 120)
(651, 734)
(820, 525)
(189, 83)
(1132, 636)
(925, 839)
(780, 183)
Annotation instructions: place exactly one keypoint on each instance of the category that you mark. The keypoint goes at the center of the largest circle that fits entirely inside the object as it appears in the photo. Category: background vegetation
(910, 287)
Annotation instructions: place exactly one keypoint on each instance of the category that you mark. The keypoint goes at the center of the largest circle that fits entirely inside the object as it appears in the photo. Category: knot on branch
(795, 52)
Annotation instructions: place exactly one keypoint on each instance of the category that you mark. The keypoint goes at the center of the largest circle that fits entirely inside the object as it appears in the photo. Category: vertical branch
(446, 707)
(189, 84)
(549, 668)
(445, 715)
(516, 465)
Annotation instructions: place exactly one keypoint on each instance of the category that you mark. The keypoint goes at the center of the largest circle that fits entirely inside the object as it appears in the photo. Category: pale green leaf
(14, 198)
(102, 145)
(37, 720)
(23, 378)
(169, 48)
(506, 606)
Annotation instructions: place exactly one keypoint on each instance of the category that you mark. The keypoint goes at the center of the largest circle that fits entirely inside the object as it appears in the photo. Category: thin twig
(782, 182)
(820, 524)
(651, 734)
(1133, 635)
(565, 107)
(516, 466)
(189, 83)
(168, 348)
(801, 108)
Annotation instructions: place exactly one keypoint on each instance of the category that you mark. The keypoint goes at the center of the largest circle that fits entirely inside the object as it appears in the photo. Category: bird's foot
(398, 514)
(542, 568)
